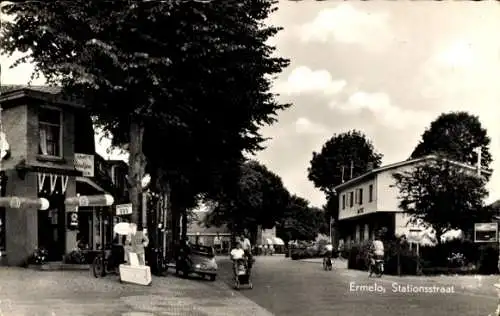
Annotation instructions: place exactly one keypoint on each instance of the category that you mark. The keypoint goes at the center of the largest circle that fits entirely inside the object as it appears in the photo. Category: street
(286, 287)
(281, 287)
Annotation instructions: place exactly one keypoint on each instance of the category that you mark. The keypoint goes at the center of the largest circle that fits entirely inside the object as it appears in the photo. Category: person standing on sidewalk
(138, 242)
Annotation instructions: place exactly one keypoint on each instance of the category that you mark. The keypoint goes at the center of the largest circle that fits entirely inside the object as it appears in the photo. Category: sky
(386, 68)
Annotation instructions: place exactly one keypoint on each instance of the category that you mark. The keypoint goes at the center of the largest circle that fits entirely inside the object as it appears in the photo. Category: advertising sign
(85, 164)
(124, 209)
(485, 232)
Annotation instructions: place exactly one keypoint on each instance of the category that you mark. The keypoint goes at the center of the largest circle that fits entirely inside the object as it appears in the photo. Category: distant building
(370, 202)
(199, 233)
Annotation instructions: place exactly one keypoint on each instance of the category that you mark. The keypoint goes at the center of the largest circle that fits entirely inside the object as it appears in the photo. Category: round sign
(15, 202)
(74, 217)
(83, 201)
(122, 229)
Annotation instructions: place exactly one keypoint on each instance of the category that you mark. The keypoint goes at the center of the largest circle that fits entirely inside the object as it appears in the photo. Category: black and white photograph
(249, 158)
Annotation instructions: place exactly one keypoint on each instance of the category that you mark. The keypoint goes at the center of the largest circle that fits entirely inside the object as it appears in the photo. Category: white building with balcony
(370, 202)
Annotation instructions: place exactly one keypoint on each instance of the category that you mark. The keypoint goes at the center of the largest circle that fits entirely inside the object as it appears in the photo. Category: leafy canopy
(259, 198)
(455, 135)
(325, 169)
(183, 64)
(441, 195)
(301, 221)
(196, 75)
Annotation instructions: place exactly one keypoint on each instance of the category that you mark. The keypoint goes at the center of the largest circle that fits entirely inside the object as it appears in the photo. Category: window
(50, 130)
(351, 199)
(370, 193)
(343, 201)
(360, 196)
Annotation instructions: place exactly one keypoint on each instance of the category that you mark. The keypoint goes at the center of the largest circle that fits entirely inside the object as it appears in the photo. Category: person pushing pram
(241, 269)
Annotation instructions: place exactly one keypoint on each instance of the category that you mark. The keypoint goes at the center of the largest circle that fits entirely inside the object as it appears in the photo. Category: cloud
(304, 80)
(346, 24)
(461, 75)
(459, 55)
(305, 126)
(380, 105)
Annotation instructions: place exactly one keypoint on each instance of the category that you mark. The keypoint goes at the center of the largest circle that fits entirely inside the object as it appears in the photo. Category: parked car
(198, 260)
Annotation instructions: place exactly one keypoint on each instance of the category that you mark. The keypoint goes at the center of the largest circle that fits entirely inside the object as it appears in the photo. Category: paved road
(286, 287)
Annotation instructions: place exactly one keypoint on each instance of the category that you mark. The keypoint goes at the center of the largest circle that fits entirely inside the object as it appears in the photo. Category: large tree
(340, 153)
(258, 199)
(455, 135)
(301, 221)
(342, 156)
(441, 195)
(200, 68)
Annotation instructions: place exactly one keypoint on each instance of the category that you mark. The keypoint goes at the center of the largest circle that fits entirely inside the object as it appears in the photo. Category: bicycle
(104, 264)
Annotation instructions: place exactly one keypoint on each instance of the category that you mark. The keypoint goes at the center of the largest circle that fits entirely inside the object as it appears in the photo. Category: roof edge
(29, 93)
(406, 163)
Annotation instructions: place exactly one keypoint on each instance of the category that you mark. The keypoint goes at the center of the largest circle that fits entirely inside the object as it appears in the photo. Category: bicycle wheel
(98, 266)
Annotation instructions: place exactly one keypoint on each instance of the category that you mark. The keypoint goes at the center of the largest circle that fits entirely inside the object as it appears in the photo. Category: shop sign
(85, 164)
(124, 209)
(73, 220)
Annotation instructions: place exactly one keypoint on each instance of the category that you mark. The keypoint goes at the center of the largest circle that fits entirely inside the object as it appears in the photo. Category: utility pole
(352, 168)
(478, 150)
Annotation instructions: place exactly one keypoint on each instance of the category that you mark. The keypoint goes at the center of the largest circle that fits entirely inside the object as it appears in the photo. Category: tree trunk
(439, 234)
(184, 224)
(136, 169)
(174, 228)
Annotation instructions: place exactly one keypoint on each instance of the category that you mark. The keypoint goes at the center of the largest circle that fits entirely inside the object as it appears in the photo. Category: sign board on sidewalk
(124, 209)
(135, 274)
(85, 164)
(485, 232)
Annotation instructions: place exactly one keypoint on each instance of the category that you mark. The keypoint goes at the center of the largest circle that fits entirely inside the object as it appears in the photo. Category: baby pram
(242, 276)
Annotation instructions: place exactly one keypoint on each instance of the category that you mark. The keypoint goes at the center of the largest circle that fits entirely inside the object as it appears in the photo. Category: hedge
(473, 258)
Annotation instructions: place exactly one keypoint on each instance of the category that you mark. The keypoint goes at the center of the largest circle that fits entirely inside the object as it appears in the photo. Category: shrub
(460, 256)
(358, 257)
(39, 256)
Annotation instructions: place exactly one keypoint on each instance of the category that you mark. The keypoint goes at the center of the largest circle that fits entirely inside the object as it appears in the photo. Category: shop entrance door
(51, 232)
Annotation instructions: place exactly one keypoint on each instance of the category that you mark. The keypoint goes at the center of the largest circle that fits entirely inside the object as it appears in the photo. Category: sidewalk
(61, 293)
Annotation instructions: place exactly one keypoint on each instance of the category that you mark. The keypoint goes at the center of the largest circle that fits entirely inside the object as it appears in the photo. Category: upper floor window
(50, 130)
(360, 196)
(351, 199)
(370, 193)
(343, 201)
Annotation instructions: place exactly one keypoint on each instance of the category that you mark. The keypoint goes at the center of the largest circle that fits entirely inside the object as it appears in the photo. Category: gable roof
(52, 94)
(404, 163)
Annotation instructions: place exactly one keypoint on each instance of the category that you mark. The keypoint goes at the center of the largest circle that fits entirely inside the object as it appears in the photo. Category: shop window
(50, 130)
